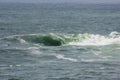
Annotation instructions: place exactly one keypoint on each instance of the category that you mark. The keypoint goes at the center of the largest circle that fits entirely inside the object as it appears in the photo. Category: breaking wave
(68, 39)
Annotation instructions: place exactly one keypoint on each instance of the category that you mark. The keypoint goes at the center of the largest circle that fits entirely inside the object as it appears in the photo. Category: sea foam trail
(65, 58)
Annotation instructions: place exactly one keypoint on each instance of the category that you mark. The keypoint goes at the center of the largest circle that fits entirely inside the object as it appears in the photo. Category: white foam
(114, 34)
(65, 58)
(31, 48)
(97, 40)
(87, 60)
(18, 65)
(22, 41)
(10, 65)
(34, 50)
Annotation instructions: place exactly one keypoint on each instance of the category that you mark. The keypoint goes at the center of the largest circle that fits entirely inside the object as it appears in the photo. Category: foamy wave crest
(99, 40)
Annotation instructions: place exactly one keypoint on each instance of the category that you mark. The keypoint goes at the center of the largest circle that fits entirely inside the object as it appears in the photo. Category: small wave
(48, 40)
(68, 39)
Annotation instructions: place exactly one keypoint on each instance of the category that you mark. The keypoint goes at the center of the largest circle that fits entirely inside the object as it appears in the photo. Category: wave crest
(68, 39)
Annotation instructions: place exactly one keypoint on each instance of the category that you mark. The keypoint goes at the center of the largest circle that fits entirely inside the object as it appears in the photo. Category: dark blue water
(59, 41)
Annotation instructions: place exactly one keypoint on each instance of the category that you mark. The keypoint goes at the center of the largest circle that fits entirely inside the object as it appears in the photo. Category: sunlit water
(59, 42)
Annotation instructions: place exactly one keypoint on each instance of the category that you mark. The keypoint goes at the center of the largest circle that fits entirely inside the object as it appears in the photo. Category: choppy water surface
(59, 42)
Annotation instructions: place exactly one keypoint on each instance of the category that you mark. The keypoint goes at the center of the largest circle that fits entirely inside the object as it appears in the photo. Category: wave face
(69, 39)
(50, 39)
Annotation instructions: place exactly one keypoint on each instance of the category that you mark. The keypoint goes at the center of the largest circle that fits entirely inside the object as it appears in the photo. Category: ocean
(59, 41)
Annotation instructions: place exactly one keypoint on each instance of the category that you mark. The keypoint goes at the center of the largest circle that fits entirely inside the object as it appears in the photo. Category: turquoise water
(59, 41)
